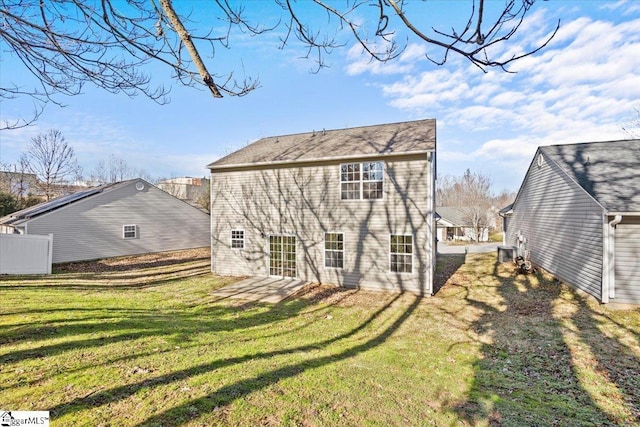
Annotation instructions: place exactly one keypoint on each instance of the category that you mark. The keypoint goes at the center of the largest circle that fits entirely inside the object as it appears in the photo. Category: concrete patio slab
(263, 289)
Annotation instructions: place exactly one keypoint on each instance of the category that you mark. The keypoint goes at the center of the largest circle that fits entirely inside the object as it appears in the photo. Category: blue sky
(582, 87)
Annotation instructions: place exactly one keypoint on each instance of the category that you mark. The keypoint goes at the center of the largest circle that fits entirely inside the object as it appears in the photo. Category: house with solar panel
(577, 215)
(125, 218)
(352, 207)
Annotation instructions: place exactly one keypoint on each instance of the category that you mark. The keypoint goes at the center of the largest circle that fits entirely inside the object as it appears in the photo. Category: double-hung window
(129, 231)
(401, 253)
(334, 250)
(237, 239)
(372, 180)
(350, 181)
(361, 180)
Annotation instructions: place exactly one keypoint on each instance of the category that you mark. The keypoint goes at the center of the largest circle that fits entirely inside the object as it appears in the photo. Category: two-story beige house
(353, 207)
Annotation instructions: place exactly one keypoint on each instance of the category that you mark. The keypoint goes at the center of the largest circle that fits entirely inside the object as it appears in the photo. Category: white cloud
(579, 88)
(477, 118)
(361, 62)
(453, 155)
(508, 98)
(501, 148)
(413, 52)
(629, 6)
(376, 67)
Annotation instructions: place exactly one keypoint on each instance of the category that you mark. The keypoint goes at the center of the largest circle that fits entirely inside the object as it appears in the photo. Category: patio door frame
(282, 255)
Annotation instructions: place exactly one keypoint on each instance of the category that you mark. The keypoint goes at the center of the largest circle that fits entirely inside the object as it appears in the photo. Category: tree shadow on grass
(96, 329)
(228, 393)
(613, 350)
(94, 282)
(62, 336)
(122, 324)
(530, 372)
(240, 389)
(135, 326)
(90, 327)
(132, 263)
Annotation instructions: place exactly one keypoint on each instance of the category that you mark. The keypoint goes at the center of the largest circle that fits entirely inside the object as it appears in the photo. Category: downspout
(608, 282)
(432, 227)
(504, 227)
(615, 221)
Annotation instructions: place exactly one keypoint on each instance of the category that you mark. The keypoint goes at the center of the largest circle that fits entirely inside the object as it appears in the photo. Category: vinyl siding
(305, 202)
(91, 228)
(627, 261)
(562, 226)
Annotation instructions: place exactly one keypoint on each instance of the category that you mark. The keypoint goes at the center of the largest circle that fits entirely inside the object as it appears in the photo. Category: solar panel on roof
(56, 203)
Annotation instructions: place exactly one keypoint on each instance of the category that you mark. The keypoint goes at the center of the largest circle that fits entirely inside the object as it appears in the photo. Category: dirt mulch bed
(134, 261)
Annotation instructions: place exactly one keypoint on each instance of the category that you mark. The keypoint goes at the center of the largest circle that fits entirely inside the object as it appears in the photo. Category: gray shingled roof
(608, 171)
(388, 139)
(452, 214)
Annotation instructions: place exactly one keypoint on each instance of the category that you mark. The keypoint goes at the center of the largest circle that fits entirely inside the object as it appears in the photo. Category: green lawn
(151, 346)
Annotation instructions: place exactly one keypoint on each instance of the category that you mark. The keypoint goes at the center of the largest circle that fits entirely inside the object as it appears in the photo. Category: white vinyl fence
(25, 254)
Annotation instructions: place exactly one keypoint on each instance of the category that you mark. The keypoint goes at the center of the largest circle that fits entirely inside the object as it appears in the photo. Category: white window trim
(124, 231)
(361, 181)
(324, 250)
(413, 251)
(340, 182)
(232, 239)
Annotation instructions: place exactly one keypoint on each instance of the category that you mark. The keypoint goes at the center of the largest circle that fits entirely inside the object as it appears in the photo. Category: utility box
(507, 253)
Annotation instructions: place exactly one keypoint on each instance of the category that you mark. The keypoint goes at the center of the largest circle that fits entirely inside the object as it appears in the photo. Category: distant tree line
(49, 169)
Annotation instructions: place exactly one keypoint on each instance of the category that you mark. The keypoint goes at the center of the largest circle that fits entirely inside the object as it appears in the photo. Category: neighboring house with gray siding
(577, 215)
(352, 207)
(125, 218)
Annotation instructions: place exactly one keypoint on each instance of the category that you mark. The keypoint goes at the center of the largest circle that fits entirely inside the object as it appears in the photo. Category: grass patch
(495, 237)
(151, 346)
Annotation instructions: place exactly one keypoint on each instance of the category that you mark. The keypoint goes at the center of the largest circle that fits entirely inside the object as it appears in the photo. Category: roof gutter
(621, 214)
(280, 163)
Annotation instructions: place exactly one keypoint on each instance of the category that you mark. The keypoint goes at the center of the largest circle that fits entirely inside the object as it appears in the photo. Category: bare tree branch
(185, 37)
(66, 44)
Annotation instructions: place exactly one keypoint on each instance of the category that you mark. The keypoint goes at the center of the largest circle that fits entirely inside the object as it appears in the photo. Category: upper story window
(361, 180)
(237, 239)
(129, 231)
